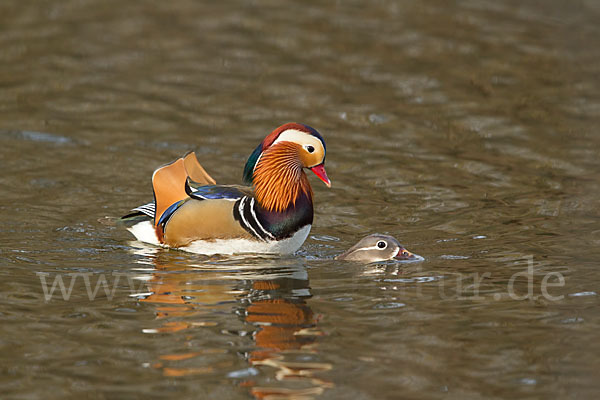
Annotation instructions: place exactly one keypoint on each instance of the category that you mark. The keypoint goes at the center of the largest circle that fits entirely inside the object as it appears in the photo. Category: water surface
(467, 129)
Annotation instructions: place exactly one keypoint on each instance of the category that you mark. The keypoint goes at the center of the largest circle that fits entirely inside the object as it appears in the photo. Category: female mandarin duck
(273, 215)
(377, 247)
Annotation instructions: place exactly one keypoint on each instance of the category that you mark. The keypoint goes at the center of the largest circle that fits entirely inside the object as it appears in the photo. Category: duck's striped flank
(244, 212)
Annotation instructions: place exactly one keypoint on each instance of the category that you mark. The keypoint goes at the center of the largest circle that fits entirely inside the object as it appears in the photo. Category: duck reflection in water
(270, 295)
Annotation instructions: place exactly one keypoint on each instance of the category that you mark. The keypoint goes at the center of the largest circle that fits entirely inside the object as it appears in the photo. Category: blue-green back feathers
(250, 164)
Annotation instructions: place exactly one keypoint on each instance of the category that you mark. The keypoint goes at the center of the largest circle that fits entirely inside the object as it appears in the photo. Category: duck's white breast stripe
(246, 223)
(266, 232)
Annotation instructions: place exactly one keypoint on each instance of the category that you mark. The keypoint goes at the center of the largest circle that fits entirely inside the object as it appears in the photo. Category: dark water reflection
(467, 129)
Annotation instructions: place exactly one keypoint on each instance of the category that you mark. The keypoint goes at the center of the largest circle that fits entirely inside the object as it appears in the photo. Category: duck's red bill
(319, 171)
(404, 254)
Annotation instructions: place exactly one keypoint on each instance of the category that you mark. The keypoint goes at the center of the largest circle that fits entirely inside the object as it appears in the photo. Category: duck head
(275, 167)
(309, 143)
(377, 247)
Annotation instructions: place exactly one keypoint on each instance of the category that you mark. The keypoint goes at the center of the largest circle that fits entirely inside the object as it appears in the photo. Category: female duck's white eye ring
(381, 244)
(310, 148)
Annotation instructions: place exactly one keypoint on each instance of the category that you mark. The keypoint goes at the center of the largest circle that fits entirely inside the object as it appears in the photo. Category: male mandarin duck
(273, 214)
(377, 247)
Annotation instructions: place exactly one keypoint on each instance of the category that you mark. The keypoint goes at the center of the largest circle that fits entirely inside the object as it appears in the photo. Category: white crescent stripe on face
(369, 248)
(373, 248)
(302, 138)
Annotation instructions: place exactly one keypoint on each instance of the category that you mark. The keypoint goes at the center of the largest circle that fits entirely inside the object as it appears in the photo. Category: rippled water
(467, 129)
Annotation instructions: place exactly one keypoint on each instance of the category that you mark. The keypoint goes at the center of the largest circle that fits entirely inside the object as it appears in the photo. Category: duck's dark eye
(381, 244)
(310, 149)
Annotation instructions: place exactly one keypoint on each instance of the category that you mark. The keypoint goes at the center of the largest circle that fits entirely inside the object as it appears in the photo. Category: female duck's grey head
(377, 247)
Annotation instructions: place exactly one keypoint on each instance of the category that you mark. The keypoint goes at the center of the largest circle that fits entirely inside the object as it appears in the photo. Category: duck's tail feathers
(169, 186)
(195, 170)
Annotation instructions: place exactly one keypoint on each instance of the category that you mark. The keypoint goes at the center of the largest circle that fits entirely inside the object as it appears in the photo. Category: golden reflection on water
(273, 303)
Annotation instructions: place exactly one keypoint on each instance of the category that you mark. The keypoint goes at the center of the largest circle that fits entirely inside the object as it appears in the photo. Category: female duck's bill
(377, 247)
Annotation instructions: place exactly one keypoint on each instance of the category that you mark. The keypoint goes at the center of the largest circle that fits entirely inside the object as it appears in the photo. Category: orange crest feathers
(278, 177)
